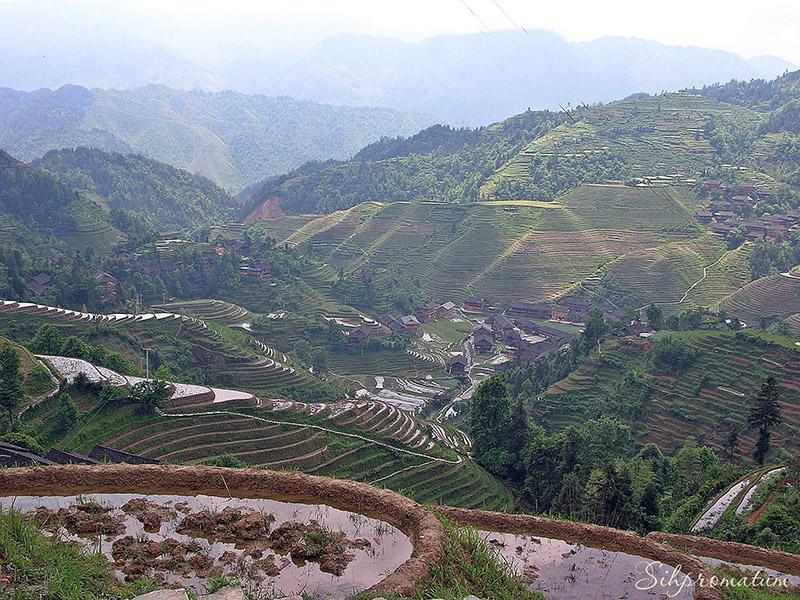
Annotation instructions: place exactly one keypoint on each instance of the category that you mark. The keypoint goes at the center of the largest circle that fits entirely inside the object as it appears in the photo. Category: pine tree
(765, 413)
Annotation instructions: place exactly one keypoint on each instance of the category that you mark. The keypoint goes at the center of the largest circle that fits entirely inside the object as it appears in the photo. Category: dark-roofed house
(39, 284)
(527, 309)
(457, 365)
(393, 324)
(109, 455)
(499, 322)
(430, 309)
(747, 188)
(360, 334)
(421, 315)
(713, 184)
(107, 282)
(483, 342)
(512, 338)
(579, 305)
(532, 352)
(721, 228)
(560, 313)
(69, 458)
(474, 304)
(703, 217)
(410, 322)
(724, 215)
(446, 309)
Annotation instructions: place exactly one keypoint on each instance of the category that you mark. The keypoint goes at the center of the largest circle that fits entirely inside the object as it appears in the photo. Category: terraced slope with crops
(521, 250)
(362, 440)
(666, 406)
(775, 296)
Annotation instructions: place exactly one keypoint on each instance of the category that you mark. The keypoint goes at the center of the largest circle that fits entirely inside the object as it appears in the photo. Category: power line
(474, 14)
(507, 16)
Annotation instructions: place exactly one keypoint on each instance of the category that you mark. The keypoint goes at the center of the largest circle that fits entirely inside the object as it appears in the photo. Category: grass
(44, 568)
(470, 566)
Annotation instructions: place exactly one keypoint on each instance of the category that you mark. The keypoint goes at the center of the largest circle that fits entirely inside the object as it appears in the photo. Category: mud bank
(588, 535)
(731, 551)
(423, 528)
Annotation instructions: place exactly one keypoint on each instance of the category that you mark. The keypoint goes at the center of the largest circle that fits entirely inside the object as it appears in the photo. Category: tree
(655, 317)
(596, 327)
(66, 413)
(150, 393)
(47, 340)
(488, 422)
(731, 442)
(10, 381)
(320, 361)
(765, 413)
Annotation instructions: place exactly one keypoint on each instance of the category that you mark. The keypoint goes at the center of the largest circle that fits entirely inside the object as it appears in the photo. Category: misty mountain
(481, 78)
(232, 138)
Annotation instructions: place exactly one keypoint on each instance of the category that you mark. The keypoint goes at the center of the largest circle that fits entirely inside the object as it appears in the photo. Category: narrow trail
(699, 281)
(318, 427)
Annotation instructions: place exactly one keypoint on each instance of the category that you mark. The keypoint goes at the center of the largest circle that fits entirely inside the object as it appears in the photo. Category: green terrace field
(775, 296)
(364, 440)
(673, 275)
(667, 408)
(655, 136)
(504, 250)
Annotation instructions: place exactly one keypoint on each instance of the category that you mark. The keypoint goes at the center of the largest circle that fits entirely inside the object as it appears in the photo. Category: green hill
(234, 139)
(164, 197)
(37, 212)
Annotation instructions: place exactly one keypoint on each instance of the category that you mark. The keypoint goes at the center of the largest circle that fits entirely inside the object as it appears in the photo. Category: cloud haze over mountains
(466, 79)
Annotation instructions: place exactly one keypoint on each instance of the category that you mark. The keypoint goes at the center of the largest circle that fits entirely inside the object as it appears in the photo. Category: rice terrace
(335, 312)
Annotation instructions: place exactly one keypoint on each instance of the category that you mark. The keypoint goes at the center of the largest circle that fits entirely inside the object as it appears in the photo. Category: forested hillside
(164, 197)
(231, 138)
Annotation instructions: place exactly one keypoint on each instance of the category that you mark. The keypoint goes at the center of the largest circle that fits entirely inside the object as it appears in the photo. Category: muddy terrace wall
(745, 554)
(422, 527)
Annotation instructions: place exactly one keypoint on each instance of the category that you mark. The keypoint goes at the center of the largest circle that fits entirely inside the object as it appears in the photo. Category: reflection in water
(565, 571)
(376, 547)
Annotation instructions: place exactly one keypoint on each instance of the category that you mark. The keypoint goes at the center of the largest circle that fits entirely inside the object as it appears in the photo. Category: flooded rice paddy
(565, 571)
(280, 547)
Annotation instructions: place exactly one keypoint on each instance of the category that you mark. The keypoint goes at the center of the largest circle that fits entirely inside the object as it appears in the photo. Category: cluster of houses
(729, 200)
(39, 284)
(405, 325)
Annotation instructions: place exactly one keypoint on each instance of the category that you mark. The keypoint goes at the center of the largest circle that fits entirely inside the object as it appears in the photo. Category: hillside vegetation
(231, 138)
(164, 197)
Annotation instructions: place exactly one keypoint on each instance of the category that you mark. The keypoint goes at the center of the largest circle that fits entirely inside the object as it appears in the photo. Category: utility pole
(147, 360)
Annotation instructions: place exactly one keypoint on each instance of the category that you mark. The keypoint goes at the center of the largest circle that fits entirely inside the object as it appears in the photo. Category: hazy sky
(749, 29)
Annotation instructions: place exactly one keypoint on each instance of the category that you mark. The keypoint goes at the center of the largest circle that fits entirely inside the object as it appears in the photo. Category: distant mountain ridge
(232, 138)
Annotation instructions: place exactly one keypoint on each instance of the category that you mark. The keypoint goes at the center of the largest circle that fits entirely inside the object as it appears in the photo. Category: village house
(429, 309)
(560, 313)
(483, 341)
(473, 304)
(360, 334)
(703, 217)
(392, 324)
(410, 322)
(39, 284)
(724, 215)
(527, 309)
(445, 310)
(457, 366)
(107, 282)
(713, 184)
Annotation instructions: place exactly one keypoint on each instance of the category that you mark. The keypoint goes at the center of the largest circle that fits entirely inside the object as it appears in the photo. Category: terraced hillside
(517, 250)
(666, 135)
(362, 440)
(667, 408)
(197, 351)
(680, 275)
(773, 296)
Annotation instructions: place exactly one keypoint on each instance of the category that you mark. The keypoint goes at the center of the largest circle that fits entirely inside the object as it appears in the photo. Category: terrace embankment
(731, 552)
(421, 525)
